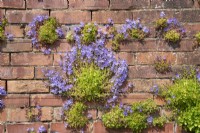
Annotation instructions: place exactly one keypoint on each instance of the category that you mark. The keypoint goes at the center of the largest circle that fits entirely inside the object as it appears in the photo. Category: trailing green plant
(75, 116)
(197, 39)
(170, 29)
(162, 65)
(183, 98)
(70, 38)
(3, 35)
(44, 31)
(136, 117)
(34, 113)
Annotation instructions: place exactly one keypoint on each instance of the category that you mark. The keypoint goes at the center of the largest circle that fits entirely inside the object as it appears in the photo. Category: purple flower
(2, 104)
(145, 30)
(150, 120)
(162, 14)
(154, 89)
(67, 104)
(46, 51)
(59, 31)
(30, 130)
(198, 76)
(42, 129)
(2, 91)
(10, 37)
(89, 116)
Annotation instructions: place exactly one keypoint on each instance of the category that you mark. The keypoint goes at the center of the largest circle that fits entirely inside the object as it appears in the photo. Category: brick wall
(21, 64)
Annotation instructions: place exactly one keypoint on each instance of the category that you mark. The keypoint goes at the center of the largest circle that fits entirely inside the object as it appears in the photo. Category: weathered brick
(16, 47)
(47, 113)
(47, 100)
(168, 128)
(72, 17)
(16, 115)
(57, 59)
(99, 127)
(190, 15)
(57, 114)
(26, 86)
(159, 100)
(16, 100)
(184, 45)
(172, 4)
(25, 16)
(93, 113)
(47, 4)
(117, 16)
(39, 74)
(142, 72)
(188, 58)
(59, 127)
(3, 83)
(150, 57)
(12, 4)
(135, 97)
(3, 115)
(2, 128)
(128, 4)
(4, 59)
(2, 12)
(16, 30)
(88, 4)
(63, 47)
(22, 128)
(129, 57)
(27, 59)
(16, 72)
(191, 29)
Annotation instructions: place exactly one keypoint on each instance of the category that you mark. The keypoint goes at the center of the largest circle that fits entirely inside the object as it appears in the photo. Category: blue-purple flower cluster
(33, 32)
(41, 129)
(2, 93)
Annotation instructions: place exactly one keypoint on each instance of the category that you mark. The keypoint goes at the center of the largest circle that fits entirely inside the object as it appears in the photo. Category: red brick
(72, 17)
(188, 58)
(191, 29)
(2, 83)
(135, 97)
(3, 115)
(63, 47)
(16, 30)
(2, 12)
(159, 100)
(4, 59)
(88, 4)
(16, 46)
(39, 72)
(22, 128)
(172, 4)
(47, 114)
(185, 45)
(15, 100)
(26, 86)
(25, 16)
(99, 127)
(150, 57)
(117, 16)
(59, 127)
(168, 128)
(47, 4)
(27, 59)
(93, 113)
(49, 100)
(16, 72)
(2, 128)
(128, 4)
(142, 72)
(129, 57)
(16, 115)
(12, 4)
(190, 15)
(57, 59)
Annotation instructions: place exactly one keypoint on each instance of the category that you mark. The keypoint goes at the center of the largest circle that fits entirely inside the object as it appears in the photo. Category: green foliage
(159, 121)
(197, 38)
(172, 36)
(162, 65)
(191, 119)
(2, 29)
(161, 23)
(137, 34)
(89, 33)
(70, 37)
(134, 118)
(75, 117)
(114, 118)
(47, 32)
(92, 83)
(183, 99)
(116, 42)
